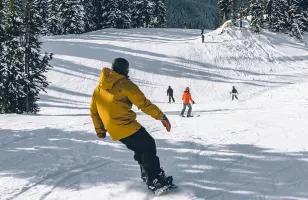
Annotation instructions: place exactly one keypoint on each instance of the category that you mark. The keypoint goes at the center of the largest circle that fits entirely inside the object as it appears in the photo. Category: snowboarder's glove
(101, 133)
(166, 123)
(193, 102)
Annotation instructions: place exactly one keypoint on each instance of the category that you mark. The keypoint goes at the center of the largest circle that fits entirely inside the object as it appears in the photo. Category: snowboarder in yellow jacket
(111, 111)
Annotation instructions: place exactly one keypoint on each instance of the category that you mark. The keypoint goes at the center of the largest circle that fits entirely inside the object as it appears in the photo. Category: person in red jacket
(186, 102)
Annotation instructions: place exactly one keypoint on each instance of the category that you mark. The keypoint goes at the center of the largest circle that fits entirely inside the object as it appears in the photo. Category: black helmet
(121, 66)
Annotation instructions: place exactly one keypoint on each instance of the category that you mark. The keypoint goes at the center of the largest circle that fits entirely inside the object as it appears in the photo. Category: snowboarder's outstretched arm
(98, 124)
(136, 96)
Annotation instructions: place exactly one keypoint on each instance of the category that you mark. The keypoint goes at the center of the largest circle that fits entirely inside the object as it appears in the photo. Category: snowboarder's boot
(169, 179)
(144, 175)
(190, 116)
(161, 181)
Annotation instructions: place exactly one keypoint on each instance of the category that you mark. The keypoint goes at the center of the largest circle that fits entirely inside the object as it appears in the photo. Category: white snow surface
(254, 148)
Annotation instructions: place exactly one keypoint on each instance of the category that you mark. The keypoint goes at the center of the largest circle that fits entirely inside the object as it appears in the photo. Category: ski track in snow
(61, 176)
(254, 148)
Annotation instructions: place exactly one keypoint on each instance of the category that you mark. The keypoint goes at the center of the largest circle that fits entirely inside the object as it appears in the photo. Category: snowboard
(196, 115)
(165, 190)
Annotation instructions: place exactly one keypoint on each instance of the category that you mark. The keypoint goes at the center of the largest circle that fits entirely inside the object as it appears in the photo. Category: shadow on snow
(67, 160)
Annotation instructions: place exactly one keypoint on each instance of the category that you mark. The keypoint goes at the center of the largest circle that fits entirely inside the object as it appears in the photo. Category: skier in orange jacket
(186, 102)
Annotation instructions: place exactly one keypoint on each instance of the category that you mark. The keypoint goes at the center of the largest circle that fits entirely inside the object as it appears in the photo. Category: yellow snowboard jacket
(111, 105)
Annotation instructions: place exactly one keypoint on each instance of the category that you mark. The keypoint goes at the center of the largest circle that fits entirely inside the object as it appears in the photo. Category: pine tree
(116, 14)
(93, 14)
(88, 16)
(13, 70)
(304, 5)
(53, 17)
(297, 19)
(43, 12)
(224, 7)
(71, 15)
(256, 12)
(142, 13)
(2, 36)
(268, 9)
(159, 14)
(110, 12)
(306, 20)
(233, 6)
(124, 15)
(2, 33)
(279, 18)
(2, 40)
(34, 65)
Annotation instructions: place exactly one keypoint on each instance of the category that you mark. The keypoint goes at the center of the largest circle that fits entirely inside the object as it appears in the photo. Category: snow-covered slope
(255, 148)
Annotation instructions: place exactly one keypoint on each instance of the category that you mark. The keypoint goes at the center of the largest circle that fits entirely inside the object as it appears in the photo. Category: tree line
(22, 64)
(276, 15)
(196, 14)
(78, 16)
(22, 22)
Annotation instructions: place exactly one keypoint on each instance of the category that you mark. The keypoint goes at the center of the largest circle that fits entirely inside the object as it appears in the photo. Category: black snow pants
(171, 98)
(234, 96)
(144, 147)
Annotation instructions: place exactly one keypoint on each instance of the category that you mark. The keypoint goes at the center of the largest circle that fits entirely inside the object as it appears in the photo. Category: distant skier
(186, 102)
(202, 37)
(202, 31)
(234, 93)
(111, 112)
(170, 94)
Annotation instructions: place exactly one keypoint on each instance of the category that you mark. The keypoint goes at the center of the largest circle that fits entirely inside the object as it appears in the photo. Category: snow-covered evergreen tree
(196, 14)
(233, 8)
(256, 12)
(224, 8)
(2, 33)
(13, 70)
(89, 24)
(1, 27)
(2, 38)
(71, 15)
(279, 16)
(43, 12)
(304, 5)
(142, 13)
(35, 65)
(268, 9)
(123, 19)
(110, 13)
(297, 19)
(93, 14)
(159, 14)
(116, 14)
(53, 17)
(306, 20)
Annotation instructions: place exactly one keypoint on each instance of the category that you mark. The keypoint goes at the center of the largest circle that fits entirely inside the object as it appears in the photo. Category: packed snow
(254, 148)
